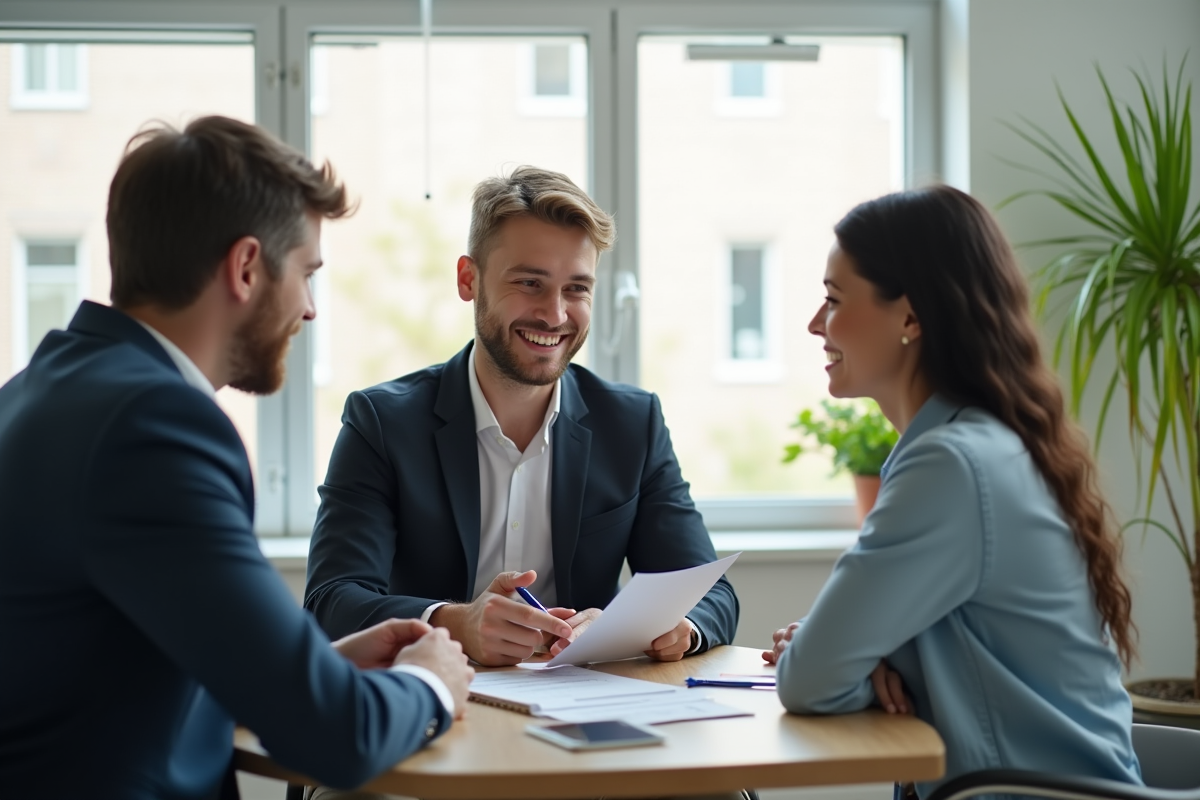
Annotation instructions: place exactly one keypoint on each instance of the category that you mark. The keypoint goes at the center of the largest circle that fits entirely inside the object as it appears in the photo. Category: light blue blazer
(967, 579)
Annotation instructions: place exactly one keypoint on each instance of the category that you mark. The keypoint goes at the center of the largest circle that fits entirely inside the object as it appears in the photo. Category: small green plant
(861, 437)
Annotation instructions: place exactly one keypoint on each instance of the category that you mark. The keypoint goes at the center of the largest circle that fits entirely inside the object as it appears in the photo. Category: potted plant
(861, 439)
(1129, 292)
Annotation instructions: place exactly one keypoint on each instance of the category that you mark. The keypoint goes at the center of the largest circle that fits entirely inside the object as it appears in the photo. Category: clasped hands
(499, 629)
(410, 641)
(887, 683)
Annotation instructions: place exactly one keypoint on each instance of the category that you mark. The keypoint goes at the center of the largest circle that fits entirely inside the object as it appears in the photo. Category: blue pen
(528, 597)
(767, 682)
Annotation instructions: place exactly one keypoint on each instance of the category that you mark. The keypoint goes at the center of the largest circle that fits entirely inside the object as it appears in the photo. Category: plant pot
(866, 489)
(1155, 711)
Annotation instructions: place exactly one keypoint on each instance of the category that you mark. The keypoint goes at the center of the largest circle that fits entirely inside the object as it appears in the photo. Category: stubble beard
(493, 336)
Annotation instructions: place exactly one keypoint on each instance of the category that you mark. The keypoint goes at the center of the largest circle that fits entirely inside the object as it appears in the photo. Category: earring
(903, 340)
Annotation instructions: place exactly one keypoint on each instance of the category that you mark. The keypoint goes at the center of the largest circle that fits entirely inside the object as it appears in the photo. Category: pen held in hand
(528, 597)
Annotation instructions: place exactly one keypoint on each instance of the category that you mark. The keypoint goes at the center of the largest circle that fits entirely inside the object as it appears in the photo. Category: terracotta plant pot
(866, 489)
(1154, 711)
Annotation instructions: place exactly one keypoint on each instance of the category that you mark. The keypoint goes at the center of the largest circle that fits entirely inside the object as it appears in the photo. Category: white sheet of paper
(651, 604)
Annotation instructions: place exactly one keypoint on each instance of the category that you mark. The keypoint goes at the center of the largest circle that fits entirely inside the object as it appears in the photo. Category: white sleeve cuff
(432, 681)
(427, 613)
(699, 637)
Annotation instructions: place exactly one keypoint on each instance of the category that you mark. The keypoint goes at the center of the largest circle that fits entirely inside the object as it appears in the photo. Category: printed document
(651, 604)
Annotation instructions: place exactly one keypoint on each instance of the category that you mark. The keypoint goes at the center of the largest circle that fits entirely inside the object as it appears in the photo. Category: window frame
(916, 22)
(281, 32)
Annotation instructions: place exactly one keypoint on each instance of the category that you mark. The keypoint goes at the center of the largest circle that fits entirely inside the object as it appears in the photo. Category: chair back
(1170, 757)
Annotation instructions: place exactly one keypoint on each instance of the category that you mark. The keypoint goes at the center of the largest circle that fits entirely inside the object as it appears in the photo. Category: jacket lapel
(571, 444)
(459, 456)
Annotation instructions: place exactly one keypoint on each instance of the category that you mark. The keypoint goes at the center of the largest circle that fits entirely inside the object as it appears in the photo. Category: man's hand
(889, 690)
(672, 645)
(441, 655)
(496, 630)
(377, 646)
(579, 622)
(782, 637)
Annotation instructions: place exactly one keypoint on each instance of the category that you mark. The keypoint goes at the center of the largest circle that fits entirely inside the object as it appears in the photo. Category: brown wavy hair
(945, 252)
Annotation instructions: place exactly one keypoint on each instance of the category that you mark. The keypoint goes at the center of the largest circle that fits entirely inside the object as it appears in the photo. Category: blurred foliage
(859, 435)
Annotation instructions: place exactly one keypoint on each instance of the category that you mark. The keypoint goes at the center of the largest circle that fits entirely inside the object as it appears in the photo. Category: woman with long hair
(984, 593)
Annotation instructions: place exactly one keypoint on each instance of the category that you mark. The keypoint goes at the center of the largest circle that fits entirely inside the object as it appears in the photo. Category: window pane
(35, 67)
(747, 79)
(391, 305)
(57, 169)
(746, 302)
(552, 65)
(67, 55)
(736, 210)
(51, 305)
(50, 255)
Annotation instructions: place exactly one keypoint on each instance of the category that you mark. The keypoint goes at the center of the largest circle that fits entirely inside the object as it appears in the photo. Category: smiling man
(508, 466)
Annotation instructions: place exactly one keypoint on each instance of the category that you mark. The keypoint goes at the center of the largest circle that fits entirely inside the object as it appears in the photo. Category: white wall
(1015, 50)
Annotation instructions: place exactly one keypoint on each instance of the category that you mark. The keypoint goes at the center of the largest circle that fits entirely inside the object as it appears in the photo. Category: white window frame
(20, 287)
(916, 22)
(283, 91)
(532, 104)
(50, 99)
(769, 368)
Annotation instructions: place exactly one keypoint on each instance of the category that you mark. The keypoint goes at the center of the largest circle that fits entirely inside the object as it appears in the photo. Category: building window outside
(49, 76)
(747, 79)
(749, 350)
(746, 304)
(553, 79)
(748, 89)
(48, 290)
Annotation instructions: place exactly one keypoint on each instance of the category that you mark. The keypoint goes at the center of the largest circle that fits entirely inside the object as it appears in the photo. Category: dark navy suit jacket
(398, 527)
(138, 617)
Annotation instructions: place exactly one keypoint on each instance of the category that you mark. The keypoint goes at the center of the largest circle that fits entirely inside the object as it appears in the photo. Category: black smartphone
(596, 735)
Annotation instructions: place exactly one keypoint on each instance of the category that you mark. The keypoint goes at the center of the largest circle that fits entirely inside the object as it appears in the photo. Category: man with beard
(508, 466)
(139, 617)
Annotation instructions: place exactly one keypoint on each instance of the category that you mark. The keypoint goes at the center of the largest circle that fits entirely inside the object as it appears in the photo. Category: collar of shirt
(486, 419)
(187, 368)
(937, 410)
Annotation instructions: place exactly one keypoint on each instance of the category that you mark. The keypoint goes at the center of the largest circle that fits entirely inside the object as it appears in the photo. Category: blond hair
(539, 193)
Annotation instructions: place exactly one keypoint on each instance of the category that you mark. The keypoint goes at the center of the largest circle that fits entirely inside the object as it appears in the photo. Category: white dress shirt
(514, 501)
(195, 378)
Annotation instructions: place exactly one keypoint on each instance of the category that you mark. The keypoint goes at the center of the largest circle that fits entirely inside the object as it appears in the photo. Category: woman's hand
(781, 637)
(889, 690)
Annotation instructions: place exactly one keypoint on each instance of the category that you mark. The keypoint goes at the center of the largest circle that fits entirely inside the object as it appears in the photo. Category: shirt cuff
(427, 613)
(432, 681)
(699, 637)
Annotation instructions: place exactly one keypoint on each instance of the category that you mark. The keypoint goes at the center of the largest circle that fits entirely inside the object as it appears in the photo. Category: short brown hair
(540, 193)
(180, 200)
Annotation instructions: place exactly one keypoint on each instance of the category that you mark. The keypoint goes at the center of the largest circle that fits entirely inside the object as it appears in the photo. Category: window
(60, 166)
(747, 79)
(389, 303)
(48, 277)
(49, 75)
(552, 78)
(736, 214)
(697, 160)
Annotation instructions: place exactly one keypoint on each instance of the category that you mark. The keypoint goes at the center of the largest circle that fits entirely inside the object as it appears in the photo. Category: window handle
(626, 298)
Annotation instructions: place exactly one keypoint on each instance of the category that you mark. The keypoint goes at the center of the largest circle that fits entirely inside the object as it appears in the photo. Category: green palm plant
(1130, 287)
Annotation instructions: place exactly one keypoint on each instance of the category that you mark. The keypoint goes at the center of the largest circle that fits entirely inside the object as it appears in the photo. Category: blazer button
(431, 729)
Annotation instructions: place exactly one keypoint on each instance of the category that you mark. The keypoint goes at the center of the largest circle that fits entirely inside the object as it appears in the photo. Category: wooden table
(488, 756)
